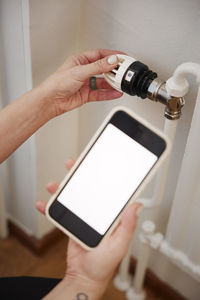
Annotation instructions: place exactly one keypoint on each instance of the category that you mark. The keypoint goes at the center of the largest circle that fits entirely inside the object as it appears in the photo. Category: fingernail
(139, 210)
(112, 59)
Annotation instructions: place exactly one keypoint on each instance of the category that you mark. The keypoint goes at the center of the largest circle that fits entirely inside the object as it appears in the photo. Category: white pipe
(161, 177)
(177, 85)
(143, 258)
(181, 259)
(186, 68)
(159, 190)
(144, 253)
(183, 223)
(123, 279)
(136, 292)
(156, 241)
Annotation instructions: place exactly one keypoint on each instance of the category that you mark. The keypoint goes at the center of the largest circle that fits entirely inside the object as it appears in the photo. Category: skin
(88, 273)
(66, 89)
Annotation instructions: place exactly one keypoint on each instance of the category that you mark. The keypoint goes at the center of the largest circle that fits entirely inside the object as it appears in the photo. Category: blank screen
(107, 178)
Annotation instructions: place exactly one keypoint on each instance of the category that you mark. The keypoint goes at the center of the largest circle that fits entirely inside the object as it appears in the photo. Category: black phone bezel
(141, 134)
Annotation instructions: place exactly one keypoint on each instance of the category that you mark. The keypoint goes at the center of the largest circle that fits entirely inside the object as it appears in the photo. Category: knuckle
(100, 65)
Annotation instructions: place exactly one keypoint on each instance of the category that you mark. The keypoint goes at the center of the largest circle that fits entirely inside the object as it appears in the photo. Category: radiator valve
(136, 79)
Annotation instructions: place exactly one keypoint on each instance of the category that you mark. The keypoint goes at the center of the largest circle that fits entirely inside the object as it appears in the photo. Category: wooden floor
(17, 260)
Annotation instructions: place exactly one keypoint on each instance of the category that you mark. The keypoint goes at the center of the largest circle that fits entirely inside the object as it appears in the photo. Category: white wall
(54, 29)
(162, 34)
(31, 52)
(19, 170)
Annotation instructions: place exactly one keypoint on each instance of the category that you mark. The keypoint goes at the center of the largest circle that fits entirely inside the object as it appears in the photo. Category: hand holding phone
(88, 267)
(111, 171)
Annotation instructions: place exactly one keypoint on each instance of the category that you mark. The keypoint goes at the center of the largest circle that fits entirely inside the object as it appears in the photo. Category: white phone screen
(107, 178)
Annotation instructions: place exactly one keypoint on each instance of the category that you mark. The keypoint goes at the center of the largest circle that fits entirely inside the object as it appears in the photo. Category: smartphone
(110, 173)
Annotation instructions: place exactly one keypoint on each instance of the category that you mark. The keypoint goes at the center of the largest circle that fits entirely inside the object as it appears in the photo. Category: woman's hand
(66, 89)
(94, 269)
(69, 86)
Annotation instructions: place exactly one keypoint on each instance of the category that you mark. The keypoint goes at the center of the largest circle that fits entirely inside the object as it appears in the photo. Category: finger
(87, 57)
(52, 187)
(96, 54)
(41, 205)
(69, 163)
(102, 84)
(104, 65)
(129, 218)
(122, 236)
(99, 95)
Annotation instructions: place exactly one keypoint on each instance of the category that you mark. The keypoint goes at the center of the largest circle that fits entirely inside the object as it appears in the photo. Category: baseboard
(37, 246)
(155, 284)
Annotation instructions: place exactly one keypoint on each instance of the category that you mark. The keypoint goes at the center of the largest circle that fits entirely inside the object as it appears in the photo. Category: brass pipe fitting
(157, 92)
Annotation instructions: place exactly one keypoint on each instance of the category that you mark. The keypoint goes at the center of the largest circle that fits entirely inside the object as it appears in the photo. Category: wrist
(76, 288)
(45, 103)
(83, 286)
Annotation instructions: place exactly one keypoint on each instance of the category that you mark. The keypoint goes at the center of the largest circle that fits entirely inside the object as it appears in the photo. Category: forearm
(76, 289)
(19, 120)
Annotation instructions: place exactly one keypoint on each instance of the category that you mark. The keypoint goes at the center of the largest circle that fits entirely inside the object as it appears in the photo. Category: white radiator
(183, 231)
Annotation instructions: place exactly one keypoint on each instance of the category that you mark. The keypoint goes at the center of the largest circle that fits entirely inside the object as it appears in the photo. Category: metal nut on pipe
(157, 92)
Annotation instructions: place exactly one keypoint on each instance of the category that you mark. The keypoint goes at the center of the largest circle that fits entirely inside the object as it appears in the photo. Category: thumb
(104, 65)
(124, 232)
